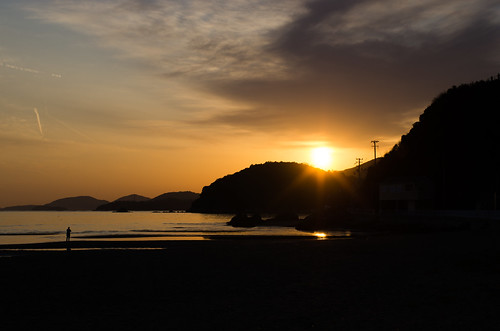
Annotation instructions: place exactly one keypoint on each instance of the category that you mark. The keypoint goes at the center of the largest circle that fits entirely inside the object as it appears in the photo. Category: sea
(18, 227)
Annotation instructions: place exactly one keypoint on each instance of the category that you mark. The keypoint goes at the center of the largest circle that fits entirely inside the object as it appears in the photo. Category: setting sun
(321, 157)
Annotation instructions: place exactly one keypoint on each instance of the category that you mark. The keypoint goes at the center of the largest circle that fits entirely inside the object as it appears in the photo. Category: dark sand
(433, 281)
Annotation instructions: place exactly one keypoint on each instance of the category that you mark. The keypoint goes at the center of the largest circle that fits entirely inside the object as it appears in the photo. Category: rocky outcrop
(244, 220)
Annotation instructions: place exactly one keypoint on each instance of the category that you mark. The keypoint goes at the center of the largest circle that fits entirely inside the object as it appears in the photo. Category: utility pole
(375, 142)
(358, 161)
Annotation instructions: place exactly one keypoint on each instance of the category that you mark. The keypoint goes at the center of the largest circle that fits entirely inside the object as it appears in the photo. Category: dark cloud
(371, 79)
(264, 118)
(299, 34)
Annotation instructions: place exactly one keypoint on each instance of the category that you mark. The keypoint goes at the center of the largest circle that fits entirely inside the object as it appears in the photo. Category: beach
(416, 281)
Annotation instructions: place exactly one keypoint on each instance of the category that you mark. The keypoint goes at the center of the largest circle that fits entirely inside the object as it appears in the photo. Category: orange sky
(109, 98)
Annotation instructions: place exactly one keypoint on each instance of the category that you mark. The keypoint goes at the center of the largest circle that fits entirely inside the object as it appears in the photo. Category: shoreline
(165, 236)
(139, 241)
(412, 281)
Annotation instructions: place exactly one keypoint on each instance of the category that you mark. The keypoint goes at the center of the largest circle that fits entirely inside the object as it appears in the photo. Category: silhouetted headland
(450, 158)
(448, 161)
(272, 187)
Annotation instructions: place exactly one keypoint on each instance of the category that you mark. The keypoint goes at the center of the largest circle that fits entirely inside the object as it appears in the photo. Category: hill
(454, 145)
(73, 203)
(271, 187)
(165, 201)
(132, 197)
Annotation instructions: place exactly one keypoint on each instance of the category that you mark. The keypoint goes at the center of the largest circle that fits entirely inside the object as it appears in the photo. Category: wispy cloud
(191, 38)
(298, 65)
(410, 23)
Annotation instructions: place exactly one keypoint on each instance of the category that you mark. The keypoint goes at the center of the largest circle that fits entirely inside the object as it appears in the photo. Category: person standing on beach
(68, 233)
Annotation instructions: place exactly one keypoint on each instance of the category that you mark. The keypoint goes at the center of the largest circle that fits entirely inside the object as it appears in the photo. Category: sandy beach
(425, 281)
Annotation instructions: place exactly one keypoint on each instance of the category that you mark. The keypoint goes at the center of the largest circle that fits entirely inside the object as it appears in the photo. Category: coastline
(394, 281)
(154, 241)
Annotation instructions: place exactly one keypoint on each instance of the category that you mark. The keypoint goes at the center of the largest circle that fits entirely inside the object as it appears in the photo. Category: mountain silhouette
(133, 197)
(455, 145)
(73, 204)
(166, 201)
(270, 187)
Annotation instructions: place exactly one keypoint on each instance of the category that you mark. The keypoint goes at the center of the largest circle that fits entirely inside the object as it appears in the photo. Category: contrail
(70, 128)
(38, 120)
(30, 70)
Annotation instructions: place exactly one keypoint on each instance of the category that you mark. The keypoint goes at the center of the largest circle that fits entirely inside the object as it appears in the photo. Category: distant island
(166, 201)
(174, 201)
(80, 203)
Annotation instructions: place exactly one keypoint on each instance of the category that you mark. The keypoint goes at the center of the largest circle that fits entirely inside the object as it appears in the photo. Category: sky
(112, 97)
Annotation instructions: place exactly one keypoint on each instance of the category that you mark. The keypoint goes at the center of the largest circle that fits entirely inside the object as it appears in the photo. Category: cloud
(409, 23)
(386, 40)
(192, 38)
(347, 67)
(365, 64)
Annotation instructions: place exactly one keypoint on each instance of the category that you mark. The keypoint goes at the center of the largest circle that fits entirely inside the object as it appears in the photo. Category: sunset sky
(113, 97)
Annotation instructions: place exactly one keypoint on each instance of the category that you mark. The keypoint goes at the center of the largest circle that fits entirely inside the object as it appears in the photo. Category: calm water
(49, 226)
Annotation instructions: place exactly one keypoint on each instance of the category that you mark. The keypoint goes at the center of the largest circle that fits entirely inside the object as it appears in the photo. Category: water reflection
(320, 235)
(332, 235)
(44, 227)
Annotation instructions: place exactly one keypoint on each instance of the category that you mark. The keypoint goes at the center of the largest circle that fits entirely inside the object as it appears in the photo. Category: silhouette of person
(68, 233)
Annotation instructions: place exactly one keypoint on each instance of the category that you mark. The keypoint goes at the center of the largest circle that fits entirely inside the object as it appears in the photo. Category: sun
(321, 157)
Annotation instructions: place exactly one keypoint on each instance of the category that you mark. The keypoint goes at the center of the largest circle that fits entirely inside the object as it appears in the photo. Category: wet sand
(430, 281)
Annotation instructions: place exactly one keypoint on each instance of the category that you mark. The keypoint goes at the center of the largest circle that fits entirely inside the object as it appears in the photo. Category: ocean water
(50, 226)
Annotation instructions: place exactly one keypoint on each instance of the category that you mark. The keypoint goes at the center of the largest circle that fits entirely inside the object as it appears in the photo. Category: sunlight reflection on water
(320, 235)
(44, 227)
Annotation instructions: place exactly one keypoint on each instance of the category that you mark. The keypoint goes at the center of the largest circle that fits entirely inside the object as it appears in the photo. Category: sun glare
(320, 235)
(322, 157)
